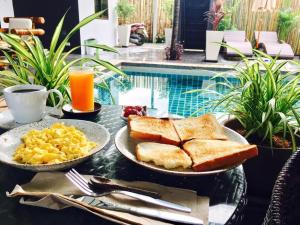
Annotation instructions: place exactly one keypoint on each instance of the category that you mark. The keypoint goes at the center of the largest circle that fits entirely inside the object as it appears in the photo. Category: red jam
(134, 110)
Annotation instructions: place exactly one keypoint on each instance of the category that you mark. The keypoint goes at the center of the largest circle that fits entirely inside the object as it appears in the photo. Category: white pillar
(6, 10)
(154, 19)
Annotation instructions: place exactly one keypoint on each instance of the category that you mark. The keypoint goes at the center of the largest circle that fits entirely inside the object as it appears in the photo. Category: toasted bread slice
(205, 127)
(152, 129)
(214, 154)
(168, 156)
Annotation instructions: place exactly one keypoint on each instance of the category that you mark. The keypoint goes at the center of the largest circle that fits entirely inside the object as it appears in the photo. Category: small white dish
(10, 140)
(7, 121)
(124, 118)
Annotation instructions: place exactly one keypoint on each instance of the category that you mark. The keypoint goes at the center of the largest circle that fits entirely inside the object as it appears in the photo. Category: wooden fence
(143, 13)
(242, 16)
(245, 19)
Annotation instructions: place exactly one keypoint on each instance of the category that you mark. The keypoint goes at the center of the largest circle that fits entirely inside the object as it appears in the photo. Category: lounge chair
(238, 40)
(270, 43)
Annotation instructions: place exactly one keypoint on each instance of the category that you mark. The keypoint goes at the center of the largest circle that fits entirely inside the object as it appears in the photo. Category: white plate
(11, 139)
(126, 146)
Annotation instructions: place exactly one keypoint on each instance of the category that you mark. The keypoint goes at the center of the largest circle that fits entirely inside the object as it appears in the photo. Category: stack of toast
(198, 143)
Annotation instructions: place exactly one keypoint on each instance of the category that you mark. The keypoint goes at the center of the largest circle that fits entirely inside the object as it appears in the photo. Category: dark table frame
(227, 191)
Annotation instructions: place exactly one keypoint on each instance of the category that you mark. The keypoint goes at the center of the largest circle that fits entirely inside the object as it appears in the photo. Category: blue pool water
(165, 92)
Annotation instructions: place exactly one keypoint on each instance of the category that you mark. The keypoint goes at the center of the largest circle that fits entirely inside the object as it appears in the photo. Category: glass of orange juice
(82, 88)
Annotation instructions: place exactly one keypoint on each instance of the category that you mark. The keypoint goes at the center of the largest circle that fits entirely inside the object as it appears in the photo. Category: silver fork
(82, 184)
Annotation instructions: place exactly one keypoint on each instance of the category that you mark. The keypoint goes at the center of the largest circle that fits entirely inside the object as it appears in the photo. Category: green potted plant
(214, 16)
(124, 11)
(219, 19)
(226, 23)
(168, 8)
(31, 63)
(265, 110)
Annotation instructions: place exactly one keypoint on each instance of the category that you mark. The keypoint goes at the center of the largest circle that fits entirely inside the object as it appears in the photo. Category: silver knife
(156, 201)
(170, 216)
(147, 199)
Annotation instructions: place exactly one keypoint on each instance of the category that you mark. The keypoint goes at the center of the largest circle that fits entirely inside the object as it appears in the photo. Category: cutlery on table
(81, 183)
(102, 183)
(153, 213)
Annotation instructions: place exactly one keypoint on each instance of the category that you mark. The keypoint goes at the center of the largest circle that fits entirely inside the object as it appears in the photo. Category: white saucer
(7, 121)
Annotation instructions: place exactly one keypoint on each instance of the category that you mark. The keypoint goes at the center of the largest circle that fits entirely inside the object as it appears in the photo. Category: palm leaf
(62, 60)
(18, 48)
(30, 63)
(82, 23)
(103, 47)
(108, 66)
(56, 36)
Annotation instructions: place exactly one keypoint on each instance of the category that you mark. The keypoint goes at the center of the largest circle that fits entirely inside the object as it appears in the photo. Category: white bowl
(10, 140)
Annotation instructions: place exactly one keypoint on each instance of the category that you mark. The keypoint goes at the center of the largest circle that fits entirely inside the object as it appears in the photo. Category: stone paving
(155, 53)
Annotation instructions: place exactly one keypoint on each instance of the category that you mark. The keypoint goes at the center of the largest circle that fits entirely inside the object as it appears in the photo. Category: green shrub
(287, 20)
(226, 24)
(168, 8)
(229, 8)
(124, 10)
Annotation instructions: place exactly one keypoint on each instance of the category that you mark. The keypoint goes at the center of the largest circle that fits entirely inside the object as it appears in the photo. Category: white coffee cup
(27, 103)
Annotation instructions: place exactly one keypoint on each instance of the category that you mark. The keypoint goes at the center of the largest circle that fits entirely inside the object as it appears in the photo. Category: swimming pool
(163, 89)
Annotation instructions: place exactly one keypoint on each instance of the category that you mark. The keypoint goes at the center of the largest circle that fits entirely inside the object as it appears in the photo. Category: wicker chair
(19, 25)
(284, 208)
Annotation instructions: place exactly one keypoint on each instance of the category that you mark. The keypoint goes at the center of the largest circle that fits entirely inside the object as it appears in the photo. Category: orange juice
(82, 89)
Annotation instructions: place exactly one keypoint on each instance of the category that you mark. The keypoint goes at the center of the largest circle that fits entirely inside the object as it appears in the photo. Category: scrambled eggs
(56, 144)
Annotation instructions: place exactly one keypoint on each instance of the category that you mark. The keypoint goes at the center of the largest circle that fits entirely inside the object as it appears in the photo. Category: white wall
(6, 9)
(103, 30)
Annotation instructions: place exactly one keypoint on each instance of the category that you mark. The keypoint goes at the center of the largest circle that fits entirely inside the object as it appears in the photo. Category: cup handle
(61, 98)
